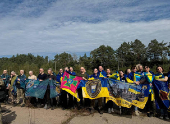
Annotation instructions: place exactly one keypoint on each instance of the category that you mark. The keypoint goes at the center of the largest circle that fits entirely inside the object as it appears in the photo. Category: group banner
(94, 89)
(35, 88)
(126, 94)
(162, 94)
(70, 83)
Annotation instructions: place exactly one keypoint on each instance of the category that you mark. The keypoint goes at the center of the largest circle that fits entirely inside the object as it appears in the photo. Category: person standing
(96, 76)
(101, 72)
(41, 77)
(6, 78)
(84, 76)
(71, 71)
(48, 100)
(71, 101)
(122, 76)
(131, 78)
(127, 71)
(64, 93)
(20, 90)
(139, 68)
(149, 104)
(108, 72)
(59, 78)
(32, 76)
(161, 77)
(59, 75)
(12, 87)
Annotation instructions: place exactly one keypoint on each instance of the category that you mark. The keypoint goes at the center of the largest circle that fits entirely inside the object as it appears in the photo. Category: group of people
(66, 100)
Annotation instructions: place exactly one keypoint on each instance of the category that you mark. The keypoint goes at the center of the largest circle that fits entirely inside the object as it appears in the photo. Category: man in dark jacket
(48, 100)
(20, 90)
(41, 77)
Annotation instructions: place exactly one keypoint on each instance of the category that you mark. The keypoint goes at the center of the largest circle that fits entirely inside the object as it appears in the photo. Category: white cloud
(72, 26)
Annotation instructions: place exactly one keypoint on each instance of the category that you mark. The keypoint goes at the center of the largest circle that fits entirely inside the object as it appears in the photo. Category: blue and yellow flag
(161, 91)
(136, 77)
(125, 94)
(115, 76)
(94, 89)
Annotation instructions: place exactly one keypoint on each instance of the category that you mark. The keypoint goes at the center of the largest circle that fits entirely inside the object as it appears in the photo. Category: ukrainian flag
(115, 76)
(94, 89)
(137, 77)
(149, 78)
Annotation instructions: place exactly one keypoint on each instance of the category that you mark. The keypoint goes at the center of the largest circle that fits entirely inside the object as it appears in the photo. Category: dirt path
(18, 115)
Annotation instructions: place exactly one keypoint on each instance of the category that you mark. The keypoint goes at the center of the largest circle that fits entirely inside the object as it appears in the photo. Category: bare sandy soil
(18, 115)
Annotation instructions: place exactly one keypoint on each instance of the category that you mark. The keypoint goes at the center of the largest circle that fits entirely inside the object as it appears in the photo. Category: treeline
(128, 54)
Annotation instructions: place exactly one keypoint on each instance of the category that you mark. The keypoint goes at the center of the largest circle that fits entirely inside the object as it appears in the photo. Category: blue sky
(48, 27)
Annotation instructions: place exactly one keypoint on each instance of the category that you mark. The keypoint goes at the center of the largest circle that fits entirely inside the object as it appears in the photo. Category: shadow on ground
(7, 115)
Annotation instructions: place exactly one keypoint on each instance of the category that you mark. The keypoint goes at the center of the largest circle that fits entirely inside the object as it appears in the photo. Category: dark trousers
(149, 104)
(109, 104)
(48, 100)
(33, 100)
(6, 94)
(87, 102)
(79, 90)
(64, 98)
(70, 103)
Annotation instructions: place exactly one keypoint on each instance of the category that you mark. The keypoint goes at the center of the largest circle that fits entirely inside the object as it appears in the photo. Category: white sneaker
(112, 110)
(109, 110)
(136, 113)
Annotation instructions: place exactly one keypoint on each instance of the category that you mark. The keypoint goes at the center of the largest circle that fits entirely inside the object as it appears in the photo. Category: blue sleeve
(90, 76)
(58, 78)
(130, 76)
(125, 75)
(104, 73)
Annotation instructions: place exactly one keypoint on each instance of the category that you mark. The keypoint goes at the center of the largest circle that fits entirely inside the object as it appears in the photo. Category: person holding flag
(108, 72)
(95, 75)
(149, 76)
(122, 76)
(64, 94)
(84, 76)
(41, 77)
(59, 79)
(101, 72)
(49, 101)
(134, 77)
(161, 77)
(12, 88)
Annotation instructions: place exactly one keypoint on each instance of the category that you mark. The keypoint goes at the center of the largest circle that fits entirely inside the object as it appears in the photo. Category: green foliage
(104, 55)
(128, 54)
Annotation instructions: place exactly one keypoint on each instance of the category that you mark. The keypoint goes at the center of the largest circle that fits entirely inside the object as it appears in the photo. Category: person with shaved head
(84, 75)
(32, 76)
(71, 71)
(101, 72)
(20, 90)
(41, 77)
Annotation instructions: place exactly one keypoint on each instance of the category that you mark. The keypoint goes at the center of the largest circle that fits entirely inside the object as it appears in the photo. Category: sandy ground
(18, 115)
